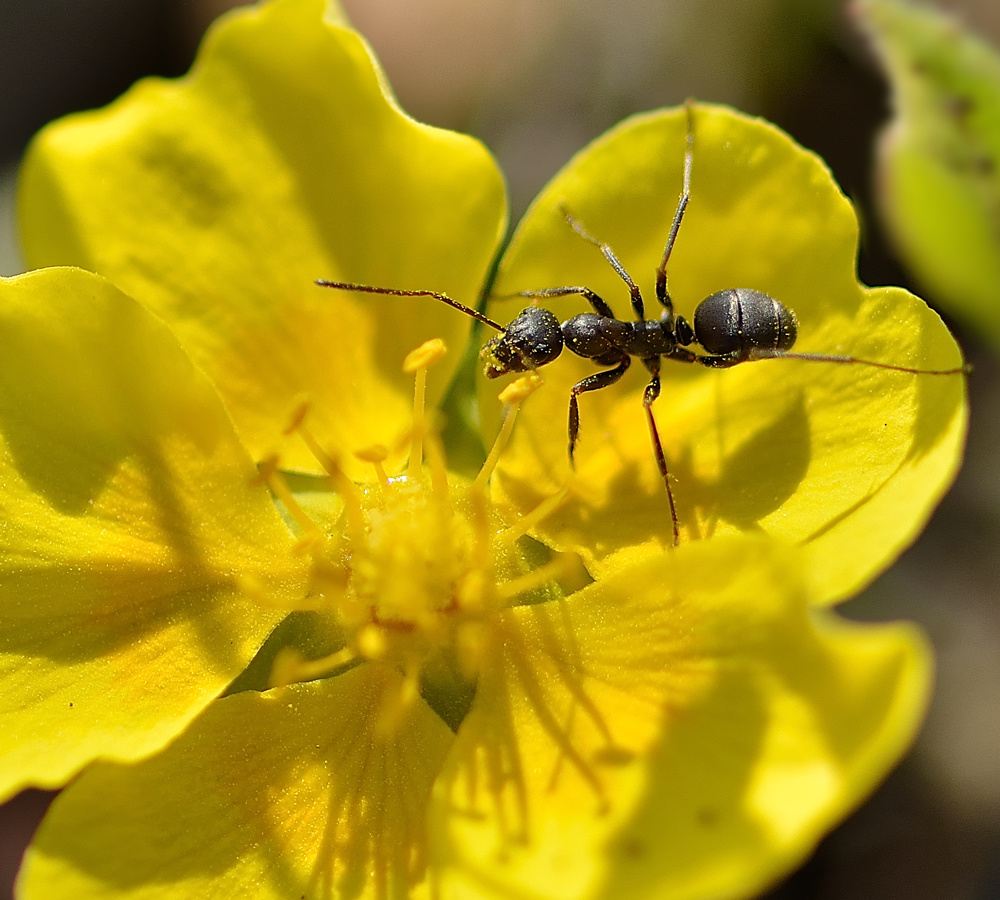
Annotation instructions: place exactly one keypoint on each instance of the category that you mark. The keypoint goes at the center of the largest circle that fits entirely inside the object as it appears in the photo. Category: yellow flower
(685, 724)
(845, 460)
(457, 710)
(217, 200)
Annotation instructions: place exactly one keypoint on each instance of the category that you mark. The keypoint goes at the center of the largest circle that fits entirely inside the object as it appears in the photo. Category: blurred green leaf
(939, 159)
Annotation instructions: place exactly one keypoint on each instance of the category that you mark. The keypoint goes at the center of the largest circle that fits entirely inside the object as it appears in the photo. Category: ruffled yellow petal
(685, 728)
(134, 545)
(218, 199)
(291, 793)
(845, 460)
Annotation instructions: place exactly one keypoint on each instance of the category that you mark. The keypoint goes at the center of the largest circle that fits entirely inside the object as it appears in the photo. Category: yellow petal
(131, 533)
(290, 793)
(847, 460)
(684, 728)
(218, 199)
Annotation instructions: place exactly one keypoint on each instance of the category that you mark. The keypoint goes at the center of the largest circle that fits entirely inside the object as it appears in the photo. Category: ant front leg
(591, 383)
(598, 303)
(649, 396)
(609, 255)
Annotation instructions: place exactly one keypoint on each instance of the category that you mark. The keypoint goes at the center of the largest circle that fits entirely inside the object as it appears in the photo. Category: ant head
(530, 341)
(738, 321)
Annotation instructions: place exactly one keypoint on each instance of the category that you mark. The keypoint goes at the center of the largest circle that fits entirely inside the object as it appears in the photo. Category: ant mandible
(732, 326)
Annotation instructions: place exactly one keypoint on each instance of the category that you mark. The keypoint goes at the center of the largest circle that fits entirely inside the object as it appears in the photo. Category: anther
(521, 388)
(417, 363)
(424, 356)
(297, 417)
(376, 454)
(511, 397)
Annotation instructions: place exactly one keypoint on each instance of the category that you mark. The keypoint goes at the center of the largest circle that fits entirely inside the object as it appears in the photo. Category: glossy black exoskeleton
(731, 326)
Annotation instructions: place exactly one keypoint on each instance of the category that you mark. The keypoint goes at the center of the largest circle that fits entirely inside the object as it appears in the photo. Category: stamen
(553, 570)
(521, 388)
(397, 704)
(511, 397)
(376, 455)
(344, 486)
(529, 520)
(417, 362)
(289, 666)
(321, 456)
(481, 531)
(424, 356)
(268, 469)
(356, 525)
(437, 464)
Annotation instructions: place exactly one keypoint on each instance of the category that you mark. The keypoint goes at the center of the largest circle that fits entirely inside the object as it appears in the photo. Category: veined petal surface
(131, 531)
(219, 198)
(684, 728)
(845, 460)
(290, 793)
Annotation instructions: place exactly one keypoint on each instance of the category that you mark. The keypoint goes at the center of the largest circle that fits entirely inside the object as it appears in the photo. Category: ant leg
(662, 293)
(609, 255)
(599, 305)
(649, 396)
(591, 383)
(721, 361)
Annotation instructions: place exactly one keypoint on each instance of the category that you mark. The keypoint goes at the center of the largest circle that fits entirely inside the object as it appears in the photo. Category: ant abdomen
(533, 339)
(737, 321)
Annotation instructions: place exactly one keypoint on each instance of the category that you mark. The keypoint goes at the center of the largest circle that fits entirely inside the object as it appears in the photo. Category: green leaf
(939, 160)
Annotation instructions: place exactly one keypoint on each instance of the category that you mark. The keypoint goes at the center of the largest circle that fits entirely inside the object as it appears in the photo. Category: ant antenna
(395, 292)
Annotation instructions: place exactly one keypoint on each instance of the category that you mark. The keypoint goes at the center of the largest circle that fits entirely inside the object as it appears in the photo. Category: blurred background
(536, 80)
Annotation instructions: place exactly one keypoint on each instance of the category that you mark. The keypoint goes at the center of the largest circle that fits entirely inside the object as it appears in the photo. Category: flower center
(411, 567)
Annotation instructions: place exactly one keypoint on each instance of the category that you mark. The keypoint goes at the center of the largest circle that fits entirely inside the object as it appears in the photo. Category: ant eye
(737, 321)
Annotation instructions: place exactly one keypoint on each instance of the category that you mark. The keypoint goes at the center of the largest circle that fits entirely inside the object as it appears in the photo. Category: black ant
(732, 326)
